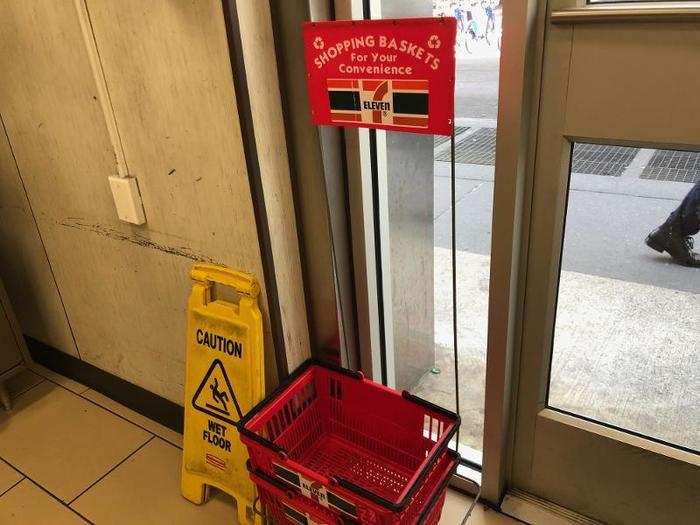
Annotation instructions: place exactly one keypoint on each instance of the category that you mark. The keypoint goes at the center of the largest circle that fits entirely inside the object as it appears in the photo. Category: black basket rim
(313, 361)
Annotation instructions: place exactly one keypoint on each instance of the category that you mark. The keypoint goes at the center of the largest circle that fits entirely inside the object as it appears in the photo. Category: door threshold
(537, 511)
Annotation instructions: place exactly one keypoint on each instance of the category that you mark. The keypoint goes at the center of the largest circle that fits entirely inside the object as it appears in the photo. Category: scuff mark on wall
(134, 238)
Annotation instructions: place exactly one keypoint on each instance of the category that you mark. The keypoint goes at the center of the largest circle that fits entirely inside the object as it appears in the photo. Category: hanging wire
(453, 177)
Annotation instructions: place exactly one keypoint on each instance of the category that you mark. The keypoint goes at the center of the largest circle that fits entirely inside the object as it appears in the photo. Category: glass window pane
(626, 348)
(419, 229)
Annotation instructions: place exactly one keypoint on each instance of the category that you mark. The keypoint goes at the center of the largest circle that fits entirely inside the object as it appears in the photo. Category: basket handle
(244, 283)
(430, 406)
(283, 385)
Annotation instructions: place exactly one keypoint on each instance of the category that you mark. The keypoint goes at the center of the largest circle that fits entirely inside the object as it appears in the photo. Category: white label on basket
(313, 490)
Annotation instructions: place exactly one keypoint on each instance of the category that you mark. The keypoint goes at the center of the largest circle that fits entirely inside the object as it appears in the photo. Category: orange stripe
(382, 90)
(341, 83)
(410, 84)
(419, 122)
(371, 85)
(352, 117)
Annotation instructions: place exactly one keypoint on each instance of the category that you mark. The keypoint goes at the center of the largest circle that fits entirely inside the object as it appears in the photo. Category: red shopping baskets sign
(347, 447)
(385, 74)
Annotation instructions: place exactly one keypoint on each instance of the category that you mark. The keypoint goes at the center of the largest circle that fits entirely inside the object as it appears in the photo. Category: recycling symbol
(318, 43)
(434, 42)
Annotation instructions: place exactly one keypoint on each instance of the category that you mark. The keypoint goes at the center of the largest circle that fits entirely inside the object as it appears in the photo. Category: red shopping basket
(362, 452)
(287, 507)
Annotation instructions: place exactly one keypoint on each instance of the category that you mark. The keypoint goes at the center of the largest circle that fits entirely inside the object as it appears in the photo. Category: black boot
(667, 239)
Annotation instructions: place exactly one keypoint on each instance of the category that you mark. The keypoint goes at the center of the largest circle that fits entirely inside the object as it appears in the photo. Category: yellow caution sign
(224, 379)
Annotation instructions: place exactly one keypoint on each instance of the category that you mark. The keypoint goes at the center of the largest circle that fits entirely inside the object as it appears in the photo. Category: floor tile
(146, 489)
(457, 504)
(62, 441)
(8, 476)
(71, 385)
(159, 430)
(21, 382)
(27, 504)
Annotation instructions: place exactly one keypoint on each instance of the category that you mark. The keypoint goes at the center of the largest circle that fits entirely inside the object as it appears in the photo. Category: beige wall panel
(168, 74)
(24, 267)
(10, 356)
(56, 129)
(53, 118)
(261, 71)
(29, 282)
(17, 333)
(132, 302)
(613, 67)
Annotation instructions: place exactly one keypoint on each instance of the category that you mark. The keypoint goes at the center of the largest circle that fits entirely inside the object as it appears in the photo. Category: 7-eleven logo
(376, 103)
(389, 102)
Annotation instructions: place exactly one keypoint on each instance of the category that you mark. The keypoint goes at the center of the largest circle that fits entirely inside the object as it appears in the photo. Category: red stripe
(353, 117)
(341, 83)
(410, 84)
(418, 122)
(216, 462)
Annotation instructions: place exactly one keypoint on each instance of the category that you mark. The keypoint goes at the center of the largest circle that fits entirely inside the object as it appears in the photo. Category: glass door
(413, 210)
(608, 404)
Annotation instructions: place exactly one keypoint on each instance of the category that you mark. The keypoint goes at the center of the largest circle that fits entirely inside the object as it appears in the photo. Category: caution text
(220, 343)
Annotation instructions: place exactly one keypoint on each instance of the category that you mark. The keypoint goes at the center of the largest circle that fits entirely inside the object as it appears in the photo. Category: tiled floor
(70, 455)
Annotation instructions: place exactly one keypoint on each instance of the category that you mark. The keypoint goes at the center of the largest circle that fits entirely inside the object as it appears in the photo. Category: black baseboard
(128, 394)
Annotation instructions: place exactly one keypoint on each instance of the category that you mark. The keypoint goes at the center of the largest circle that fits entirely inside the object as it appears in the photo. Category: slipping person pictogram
(221, 398)
(215, 394)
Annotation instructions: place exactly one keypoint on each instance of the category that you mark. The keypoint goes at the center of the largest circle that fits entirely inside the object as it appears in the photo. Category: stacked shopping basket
(330, 447)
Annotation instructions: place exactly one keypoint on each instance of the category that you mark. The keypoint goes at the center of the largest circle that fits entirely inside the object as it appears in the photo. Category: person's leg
(687, 215)
(675, 235)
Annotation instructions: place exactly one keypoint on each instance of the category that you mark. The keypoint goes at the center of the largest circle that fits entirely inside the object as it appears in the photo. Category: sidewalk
(608, 219)
(624, 352)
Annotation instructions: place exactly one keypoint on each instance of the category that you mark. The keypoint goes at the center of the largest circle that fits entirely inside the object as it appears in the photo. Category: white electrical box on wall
(127, 199)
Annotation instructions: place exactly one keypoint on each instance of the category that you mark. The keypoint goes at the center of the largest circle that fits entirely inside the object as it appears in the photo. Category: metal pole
(454, 272)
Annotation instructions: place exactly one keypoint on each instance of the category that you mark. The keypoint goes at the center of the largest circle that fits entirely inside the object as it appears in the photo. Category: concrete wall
(410, 194)
(106, 87)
